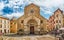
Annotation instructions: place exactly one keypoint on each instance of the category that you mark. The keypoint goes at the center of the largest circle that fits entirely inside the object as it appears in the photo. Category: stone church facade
(31, 22)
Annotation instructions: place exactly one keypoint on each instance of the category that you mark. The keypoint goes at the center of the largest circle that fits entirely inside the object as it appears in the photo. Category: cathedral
(31, 22)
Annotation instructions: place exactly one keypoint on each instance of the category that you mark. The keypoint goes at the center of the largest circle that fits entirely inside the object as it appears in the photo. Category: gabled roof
(32, 4)
(14, 18)
(59, 10)
(4, 17)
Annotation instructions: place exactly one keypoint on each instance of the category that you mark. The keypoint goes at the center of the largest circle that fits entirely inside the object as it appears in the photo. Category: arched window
(41, 21)
(59, 21)
(22, 21)
(31, 11)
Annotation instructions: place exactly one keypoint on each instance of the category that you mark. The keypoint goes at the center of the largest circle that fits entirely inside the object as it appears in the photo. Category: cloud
(46, 11)
(47, 6)
(1, 13)
(7, 9)
(13, 15)
(1, 5)
(49, 3)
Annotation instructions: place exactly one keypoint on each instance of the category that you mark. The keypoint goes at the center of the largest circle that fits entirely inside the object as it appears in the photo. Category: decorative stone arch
(35, 21)
(32, 24)
(32, 17)
(32, 21)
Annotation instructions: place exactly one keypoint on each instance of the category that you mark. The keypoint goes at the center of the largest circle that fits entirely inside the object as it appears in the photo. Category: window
(11, 26)
(59, 26)
(63, 25)
(56, 26)
(56, 21)
(4, 21)
(8, 31)
(56, 15)
(0, 21)
(63, 16)
(59, 21)
(0, 26)
(41, 21)
(22, 21)
(8, 22)
(14, 22)
(4, 30)
(4, 26)
(53, 19)
(11, 23)
(0, 31)
(32, 11)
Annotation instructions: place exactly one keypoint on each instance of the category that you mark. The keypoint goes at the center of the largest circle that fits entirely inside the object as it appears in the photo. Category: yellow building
(13, 26)
(4, 25)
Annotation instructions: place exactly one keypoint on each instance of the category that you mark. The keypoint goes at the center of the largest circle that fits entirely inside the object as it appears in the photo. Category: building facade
(4, 25)
(13, 25)
(51, 23)
(63, 20)
(48, 26)
(56, 19)
(32, 22)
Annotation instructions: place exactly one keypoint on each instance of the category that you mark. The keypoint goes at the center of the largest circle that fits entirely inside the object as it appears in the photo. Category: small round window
(32, 11)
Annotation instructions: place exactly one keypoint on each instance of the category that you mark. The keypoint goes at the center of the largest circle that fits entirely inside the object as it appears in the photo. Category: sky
(15, 8)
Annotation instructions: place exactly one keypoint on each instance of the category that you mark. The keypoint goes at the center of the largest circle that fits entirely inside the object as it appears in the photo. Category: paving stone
(30, 38)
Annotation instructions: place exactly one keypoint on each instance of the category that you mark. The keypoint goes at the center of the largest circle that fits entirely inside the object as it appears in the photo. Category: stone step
(30, 38)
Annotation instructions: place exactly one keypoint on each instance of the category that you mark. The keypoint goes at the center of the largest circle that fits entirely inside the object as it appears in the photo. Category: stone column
(26, 29)
(37, 29)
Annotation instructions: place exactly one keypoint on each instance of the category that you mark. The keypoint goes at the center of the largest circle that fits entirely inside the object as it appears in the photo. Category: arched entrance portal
(31, 29)
(32, 25)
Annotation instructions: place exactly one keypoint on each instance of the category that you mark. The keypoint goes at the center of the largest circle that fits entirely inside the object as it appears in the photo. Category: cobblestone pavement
(41, 37)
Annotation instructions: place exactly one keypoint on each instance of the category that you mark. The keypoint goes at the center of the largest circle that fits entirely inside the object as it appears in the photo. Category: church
(31, 22)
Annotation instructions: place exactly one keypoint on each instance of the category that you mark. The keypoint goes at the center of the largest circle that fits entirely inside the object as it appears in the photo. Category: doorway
(4, 30)
(31, 29)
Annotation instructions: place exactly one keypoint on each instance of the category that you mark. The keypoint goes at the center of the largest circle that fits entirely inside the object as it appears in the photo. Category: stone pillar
(26, 29)
(37, 30)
